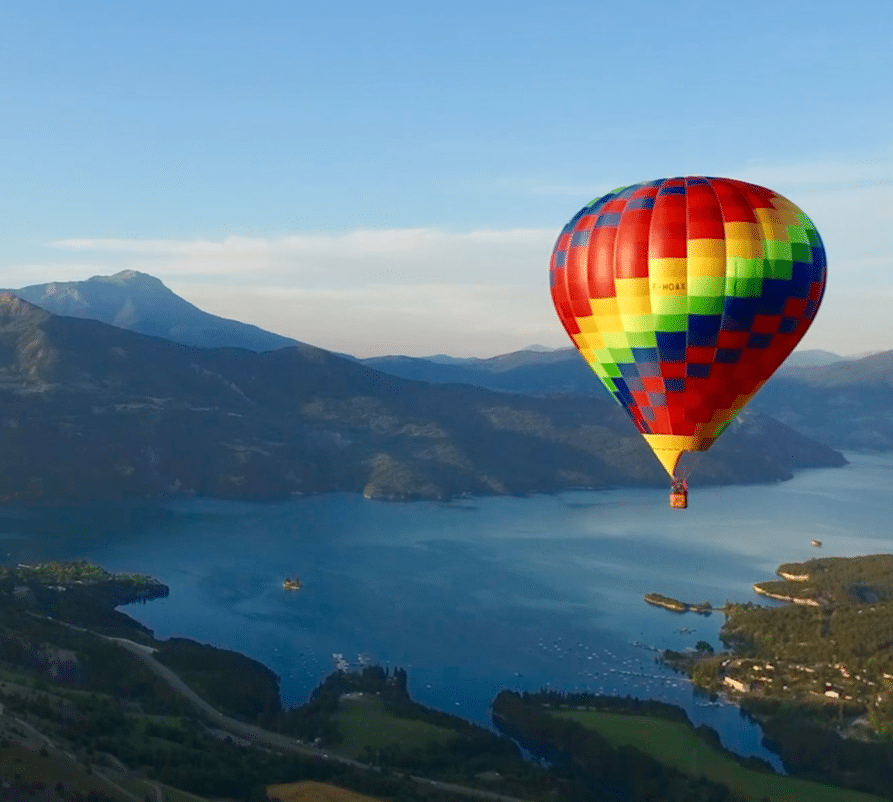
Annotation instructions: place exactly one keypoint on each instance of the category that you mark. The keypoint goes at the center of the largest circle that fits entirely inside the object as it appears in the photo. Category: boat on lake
(292, 584)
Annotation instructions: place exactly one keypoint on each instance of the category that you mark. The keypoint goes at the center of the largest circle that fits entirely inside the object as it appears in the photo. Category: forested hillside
(89, 410)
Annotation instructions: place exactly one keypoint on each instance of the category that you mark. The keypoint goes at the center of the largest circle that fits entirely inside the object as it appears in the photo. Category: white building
(735, 684)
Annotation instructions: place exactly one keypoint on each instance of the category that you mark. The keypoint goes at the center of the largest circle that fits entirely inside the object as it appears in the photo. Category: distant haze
(143, 303)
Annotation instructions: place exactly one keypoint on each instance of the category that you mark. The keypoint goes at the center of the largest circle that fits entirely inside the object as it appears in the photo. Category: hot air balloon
(684, 295)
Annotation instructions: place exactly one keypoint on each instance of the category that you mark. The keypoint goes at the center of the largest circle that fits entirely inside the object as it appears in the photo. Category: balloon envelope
(684, 295)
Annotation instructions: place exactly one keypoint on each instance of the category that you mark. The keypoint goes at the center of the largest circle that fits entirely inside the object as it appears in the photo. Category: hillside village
(828, 646)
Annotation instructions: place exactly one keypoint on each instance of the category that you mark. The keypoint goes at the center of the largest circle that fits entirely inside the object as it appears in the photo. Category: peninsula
(831, 642)
(817, 673)
(78, 579)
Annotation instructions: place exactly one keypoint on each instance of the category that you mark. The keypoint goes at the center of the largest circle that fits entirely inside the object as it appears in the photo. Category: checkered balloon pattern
(684, 295)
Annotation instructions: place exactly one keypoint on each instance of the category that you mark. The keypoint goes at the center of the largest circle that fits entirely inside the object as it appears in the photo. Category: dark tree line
(809, 749)
(230, 681)
(590, 767)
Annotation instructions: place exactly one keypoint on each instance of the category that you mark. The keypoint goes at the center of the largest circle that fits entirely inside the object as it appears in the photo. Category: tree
(706, 672)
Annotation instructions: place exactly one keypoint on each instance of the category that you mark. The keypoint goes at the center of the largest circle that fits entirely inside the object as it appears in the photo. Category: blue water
(476, 595)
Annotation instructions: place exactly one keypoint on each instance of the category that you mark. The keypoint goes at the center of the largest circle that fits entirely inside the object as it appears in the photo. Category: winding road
(266, 738)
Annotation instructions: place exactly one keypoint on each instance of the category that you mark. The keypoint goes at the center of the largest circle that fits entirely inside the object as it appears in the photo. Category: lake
(474, 595)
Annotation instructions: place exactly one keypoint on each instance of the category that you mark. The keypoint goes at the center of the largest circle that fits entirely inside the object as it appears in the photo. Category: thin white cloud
(478, 292)
(123, 245)
(840, 172)
(843, 172)
(412, 255)
(414, 290)
(354, 244)
(25, 274)
(472, 319)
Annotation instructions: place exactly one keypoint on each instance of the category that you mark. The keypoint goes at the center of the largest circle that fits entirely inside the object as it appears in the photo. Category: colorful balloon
(684, 295)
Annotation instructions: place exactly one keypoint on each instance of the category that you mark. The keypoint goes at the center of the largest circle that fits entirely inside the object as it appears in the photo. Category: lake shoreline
(474, 595)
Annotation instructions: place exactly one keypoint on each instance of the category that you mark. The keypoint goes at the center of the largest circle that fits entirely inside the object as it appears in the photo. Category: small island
(676, 606)
(292, 584)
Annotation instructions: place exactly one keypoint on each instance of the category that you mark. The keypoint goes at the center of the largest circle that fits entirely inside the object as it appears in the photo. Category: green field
(365, 722)
(675, 744)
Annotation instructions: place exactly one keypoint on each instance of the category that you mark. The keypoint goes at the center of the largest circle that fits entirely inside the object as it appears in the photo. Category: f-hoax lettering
(668, 286)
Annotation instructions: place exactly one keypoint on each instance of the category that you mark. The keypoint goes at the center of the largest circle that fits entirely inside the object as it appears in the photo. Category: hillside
(536, 372)
(847, 404)
(89, 409)
(530, 372)
(812, 358)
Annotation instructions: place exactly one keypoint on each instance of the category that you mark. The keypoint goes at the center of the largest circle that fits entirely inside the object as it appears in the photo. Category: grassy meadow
(676, 744)
(365, 723)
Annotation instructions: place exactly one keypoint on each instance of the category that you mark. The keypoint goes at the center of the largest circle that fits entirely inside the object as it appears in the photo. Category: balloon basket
(679, 501)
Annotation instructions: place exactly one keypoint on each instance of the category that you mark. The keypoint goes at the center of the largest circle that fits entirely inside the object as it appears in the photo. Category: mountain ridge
(87, 408)
(847, 404)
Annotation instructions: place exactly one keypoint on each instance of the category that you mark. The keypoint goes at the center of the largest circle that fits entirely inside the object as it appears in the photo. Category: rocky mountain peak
(133, 279)
(13, 308)
(142, 303)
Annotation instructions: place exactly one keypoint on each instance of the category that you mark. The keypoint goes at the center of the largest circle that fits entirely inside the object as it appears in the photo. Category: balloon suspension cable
(684, 468)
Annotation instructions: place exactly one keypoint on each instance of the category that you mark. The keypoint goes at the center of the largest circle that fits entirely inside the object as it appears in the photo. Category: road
(262, 737)
(255, 735)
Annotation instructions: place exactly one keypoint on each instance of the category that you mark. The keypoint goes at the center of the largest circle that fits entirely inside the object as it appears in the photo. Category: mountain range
(846, 403)
(92, 410)
(539, 372)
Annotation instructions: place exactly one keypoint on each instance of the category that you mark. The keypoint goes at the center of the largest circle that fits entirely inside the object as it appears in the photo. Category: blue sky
(390, 177)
